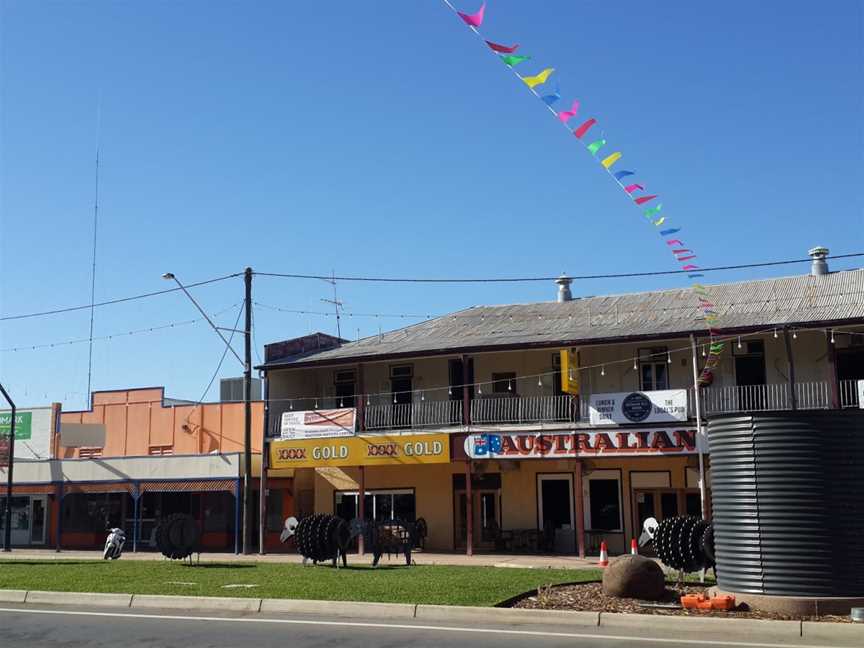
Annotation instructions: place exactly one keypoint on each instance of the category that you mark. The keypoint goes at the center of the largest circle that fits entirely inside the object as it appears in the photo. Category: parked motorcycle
(114, 544)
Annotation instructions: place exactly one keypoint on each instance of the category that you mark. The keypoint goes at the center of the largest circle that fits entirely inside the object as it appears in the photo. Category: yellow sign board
(570, 383)
(378, 450)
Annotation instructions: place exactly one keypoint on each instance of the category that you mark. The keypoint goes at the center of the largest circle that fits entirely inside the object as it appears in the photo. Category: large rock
(634, 577)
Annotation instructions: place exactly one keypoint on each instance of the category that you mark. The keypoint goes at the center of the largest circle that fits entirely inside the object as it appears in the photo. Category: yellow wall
(433, 487)
(433, 492)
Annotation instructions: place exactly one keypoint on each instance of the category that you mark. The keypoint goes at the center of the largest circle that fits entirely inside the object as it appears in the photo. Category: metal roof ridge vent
(819, 267)
(564, 294)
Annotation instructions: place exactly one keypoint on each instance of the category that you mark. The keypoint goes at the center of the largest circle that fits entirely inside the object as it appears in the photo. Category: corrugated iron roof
(804, 299)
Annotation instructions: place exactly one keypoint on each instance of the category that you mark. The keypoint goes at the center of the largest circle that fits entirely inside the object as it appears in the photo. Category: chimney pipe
(564, 294)
(819, 266)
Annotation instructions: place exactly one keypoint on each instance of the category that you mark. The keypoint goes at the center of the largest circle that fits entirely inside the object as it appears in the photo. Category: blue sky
(379, 138)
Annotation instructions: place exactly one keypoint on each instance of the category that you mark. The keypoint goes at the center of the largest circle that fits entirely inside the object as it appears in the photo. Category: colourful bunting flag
(552, 98)
(473, 20)
(686, 258)
(565, 115)
(672, 241)
(651, 211)
(679, 250)
(515, 59)
(660, 221)
(612, 159)
(641, 200)
(670, 232)
(537, 79)
(502, 49)
(596, 146)
(623, 174)
(631, 188)
(579, 132)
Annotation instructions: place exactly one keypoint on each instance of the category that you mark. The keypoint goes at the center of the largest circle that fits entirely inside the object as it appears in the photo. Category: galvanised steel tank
(788, 502)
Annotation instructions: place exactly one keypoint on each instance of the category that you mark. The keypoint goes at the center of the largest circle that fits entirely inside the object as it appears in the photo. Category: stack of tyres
(177, 536)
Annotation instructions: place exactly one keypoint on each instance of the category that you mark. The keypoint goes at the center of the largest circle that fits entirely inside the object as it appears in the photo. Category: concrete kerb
(95, 599)
(829, 632)
(13, 596)
(348, 609)
(821, 631)
(456, 613)
(225, 604)
(659, 622)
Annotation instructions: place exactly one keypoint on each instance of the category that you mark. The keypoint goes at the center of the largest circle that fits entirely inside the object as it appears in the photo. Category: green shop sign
(23, 424)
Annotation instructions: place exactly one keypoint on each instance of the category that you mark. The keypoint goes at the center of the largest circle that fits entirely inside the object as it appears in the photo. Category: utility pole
(248, 500)
(7, 525)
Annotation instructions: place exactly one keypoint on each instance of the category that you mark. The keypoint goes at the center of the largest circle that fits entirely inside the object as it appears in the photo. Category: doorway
(555, 513)
(486, 505)
(749, 374)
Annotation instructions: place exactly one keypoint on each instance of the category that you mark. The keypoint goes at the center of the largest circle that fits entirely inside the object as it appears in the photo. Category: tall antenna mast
(336, 303)
(93, 269)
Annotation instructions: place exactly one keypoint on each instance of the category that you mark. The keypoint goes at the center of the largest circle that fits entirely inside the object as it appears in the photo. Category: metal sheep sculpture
(326, 537)
(319, 537)
(683, 542)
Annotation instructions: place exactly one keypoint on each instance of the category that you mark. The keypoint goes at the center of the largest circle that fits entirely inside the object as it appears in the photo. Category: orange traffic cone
(634, 548)
(604, 555)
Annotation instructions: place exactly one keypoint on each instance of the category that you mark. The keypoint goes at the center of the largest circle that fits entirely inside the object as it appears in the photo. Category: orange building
(136, 457)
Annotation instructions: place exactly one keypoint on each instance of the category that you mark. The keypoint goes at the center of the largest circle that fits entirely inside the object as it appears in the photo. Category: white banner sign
(319, 424)
(664, 406)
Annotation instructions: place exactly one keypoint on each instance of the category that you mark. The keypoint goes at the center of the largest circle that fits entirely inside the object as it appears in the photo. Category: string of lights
(150, 329)
(830, 333)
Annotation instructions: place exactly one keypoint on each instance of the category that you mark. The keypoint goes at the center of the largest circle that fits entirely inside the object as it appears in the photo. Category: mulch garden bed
(590, 597)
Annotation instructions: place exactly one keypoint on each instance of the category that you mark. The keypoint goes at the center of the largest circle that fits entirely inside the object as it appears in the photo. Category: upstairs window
(89, 453)
(653, 369)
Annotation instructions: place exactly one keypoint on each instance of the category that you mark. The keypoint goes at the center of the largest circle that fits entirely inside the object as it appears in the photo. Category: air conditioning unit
(231, 390)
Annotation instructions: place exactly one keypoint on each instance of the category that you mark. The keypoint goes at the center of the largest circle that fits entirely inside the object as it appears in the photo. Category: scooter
(114, 544)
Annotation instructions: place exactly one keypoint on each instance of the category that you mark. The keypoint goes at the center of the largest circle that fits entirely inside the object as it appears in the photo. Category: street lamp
(247, 394)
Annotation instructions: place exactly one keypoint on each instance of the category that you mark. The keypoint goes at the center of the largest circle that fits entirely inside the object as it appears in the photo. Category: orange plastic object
(691, 601)
(724, 602)
(704, 604)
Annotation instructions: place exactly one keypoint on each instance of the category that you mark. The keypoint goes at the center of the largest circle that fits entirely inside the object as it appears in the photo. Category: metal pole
(469, 511)
(703, 501)
(361, 508)
(7, 540)
(579, 509)
(793, 397)
(262, 491)
(248, 500)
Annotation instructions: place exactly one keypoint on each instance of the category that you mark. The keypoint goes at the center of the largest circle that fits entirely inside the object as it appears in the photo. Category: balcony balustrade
(546, 410)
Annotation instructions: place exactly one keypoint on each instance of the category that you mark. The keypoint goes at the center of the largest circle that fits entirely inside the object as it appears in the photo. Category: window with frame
(605, 504)
(653, 369)
(346, 387)
(381, 505)
(161, 450)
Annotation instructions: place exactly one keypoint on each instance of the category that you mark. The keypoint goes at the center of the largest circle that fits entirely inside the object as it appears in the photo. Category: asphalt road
(45, 626)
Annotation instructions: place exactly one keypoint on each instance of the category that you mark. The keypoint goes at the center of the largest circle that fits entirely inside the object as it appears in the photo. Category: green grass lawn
(443, 585)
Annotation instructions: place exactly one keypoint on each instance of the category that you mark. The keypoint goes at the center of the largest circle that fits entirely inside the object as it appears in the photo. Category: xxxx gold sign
(361, 451)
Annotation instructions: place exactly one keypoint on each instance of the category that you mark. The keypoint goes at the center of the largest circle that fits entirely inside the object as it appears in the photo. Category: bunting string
(636, 192)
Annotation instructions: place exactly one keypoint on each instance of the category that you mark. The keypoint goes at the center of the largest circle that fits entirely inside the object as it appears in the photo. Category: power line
(151, 329)
(120, 300)
(218, 366)
(464, 280)
(742, 266)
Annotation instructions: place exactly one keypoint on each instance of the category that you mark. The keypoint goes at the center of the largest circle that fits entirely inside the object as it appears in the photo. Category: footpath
(420, 557)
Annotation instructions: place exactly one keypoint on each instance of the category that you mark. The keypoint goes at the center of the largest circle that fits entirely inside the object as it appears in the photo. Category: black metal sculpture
(389, 536)
(178, 536)
(685, 543)
(319, 537)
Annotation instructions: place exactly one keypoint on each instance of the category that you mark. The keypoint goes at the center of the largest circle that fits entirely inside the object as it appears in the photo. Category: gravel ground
(590, 596)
